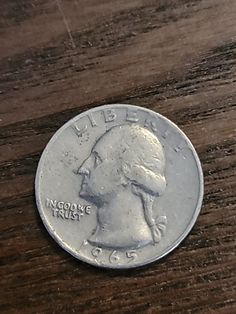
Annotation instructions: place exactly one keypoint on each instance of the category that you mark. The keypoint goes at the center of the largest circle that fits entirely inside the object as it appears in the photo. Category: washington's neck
(121, 223)
(124, 199)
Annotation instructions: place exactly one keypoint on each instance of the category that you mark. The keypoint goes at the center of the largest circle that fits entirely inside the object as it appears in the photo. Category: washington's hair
(142, 165)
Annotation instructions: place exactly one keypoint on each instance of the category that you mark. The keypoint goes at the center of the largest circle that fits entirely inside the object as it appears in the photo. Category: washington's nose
(85, 168)
(82, 170)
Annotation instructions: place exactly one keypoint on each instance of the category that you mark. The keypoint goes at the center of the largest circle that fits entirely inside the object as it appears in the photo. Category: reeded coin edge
(53, 232)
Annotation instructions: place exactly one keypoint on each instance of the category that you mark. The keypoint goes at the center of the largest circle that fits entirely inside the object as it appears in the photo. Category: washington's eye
(97, 159)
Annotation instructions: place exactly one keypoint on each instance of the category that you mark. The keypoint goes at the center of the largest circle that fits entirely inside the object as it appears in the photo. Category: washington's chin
(84, 193)
(89, 197)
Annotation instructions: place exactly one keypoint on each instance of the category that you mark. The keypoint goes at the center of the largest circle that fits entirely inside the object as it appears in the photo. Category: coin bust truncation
(67, 210)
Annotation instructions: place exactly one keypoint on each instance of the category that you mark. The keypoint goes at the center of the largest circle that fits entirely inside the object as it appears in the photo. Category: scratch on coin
(60, 8)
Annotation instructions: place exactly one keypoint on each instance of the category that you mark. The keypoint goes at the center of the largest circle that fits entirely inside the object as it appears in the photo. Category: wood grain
(59, 58)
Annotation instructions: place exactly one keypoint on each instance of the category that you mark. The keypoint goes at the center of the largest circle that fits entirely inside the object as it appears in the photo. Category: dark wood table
(59, 58)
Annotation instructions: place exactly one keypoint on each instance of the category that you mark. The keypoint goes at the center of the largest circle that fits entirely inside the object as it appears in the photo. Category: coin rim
(65, 246)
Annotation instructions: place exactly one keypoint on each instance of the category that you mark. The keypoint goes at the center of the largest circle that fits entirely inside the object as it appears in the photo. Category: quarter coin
(119, 186)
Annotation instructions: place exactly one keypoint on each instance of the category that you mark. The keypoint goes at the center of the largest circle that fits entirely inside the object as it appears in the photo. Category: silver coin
(119, 186)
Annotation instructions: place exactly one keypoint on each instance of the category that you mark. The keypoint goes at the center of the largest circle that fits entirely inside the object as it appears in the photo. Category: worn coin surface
(119, 186)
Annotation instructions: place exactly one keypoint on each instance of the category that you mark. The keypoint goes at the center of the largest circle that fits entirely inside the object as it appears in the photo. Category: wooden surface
(59, 58)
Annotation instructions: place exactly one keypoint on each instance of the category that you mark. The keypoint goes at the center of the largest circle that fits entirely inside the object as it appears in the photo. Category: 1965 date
(115, 256)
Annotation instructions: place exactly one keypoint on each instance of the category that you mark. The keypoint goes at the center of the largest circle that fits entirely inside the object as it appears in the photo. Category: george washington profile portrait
(122, 176)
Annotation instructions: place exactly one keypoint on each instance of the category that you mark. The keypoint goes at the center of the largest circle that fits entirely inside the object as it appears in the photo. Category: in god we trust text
(67, 210)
